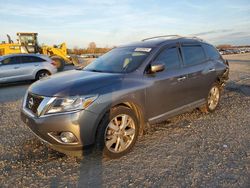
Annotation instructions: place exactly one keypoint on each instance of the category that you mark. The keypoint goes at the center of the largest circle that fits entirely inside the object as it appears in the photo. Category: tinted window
(193, 54)
(169, 57)
(211, 52)
(10, 61)
(38, 59)
(31, 59)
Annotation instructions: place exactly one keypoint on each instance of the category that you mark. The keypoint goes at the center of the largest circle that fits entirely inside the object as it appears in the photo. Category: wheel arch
(129, 104)
(138, 112)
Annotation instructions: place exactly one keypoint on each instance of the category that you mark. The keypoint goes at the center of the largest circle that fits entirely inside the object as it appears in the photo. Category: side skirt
(177, 111)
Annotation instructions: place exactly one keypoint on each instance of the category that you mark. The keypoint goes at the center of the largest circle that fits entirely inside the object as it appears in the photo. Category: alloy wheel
(119, 133)
(213, 97)
(43, 75)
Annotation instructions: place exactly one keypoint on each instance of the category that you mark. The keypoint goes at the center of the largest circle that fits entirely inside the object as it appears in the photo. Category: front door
(10, 69)
(167, 90)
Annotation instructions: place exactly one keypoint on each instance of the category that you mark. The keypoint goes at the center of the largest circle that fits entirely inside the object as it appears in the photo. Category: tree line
(91, 49)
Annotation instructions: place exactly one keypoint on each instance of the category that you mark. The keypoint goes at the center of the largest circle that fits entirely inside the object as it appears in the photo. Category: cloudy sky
(113, 22)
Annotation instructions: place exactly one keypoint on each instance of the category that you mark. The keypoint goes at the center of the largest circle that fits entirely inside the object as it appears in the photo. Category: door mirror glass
(157, 68)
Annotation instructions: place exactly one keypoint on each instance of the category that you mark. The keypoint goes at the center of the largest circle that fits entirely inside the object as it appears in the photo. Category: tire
(116, 141)
(213, 99)
(60, 63)
(42, 74)
(75, 60)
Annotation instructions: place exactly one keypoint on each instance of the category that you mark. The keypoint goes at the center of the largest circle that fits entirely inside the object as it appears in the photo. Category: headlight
(70, 104)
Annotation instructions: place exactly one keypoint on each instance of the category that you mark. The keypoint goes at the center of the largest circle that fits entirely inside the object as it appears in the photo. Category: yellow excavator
(28, 43)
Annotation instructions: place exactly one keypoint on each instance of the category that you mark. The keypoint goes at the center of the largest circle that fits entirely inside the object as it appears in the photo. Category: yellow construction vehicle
(28, 43)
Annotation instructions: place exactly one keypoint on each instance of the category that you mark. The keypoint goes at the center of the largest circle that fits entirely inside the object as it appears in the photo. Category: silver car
(20, 67)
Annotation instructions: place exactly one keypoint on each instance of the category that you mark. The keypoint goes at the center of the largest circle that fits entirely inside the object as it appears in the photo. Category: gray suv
(20, 67)
(108, 103)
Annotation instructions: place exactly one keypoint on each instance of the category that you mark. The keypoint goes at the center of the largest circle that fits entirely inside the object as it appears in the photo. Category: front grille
(33, 102)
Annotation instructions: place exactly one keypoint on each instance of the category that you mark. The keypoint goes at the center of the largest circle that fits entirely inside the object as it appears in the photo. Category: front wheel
(213, 99)
(118, 132)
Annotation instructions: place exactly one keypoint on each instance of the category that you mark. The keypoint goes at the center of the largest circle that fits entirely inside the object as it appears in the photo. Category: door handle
(211, 70)
(16, 67)
(36, 65)
(181, 78)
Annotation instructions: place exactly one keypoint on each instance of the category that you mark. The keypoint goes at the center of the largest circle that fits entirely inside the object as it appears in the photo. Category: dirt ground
(190, 150)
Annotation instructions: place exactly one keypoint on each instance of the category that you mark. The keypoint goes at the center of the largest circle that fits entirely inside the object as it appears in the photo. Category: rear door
(200, 71)
(10, 69)
(168, 88)
(30, 65)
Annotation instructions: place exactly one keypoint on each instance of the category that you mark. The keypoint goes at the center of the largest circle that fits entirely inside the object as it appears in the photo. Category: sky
(116, 22)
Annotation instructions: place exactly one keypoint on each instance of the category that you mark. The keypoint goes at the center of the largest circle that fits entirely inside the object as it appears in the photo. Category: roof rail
(197, 38)
(162, 36)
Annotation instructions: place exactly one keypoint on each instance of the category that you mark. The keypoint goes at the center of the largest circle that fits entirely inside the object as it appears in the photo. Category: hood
(72, 83)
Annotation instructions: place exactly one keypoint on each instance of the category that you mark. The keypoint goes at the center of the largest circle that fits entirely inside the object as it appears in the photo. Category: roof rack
(162, 36)
(177, 36)
(197, 38)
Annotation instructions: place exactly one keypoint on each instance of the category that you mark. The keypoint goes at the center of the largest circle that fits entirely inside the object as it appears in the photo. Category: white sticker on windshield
(142, 49)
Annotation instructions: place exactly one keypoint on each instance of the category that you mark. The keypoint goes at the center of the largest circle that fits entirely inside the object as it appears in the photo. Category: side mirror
(227, 62)
(157, 68)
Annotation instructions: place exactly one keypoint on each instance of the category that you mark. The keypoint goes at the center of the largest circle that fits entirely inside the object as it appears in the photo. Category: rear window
(212, 53)
(193, 54)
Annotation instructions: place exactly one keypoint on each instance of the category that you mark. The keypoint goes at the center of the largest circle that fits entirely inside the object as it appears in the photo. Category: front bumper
(82, 124)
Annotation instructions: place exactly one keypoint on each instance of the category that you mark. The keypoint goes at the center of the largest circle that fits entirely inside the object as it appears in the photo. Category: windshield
(27, 39)
(119, 60)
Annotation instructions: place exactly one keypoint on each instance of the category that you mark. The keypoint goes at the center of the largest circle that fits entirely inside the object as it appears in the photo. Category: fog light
(68, 137)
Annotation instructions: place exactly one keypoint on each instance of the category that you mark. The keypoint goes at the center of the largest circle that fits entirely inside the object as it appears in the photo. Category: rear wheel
(75, 60)
(42, 74)
(118, 132)
(59, 62)
(213, 99)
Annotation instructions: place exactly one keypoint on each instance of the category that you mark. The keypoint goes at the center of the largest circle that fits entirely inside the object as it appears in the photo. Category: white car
(20, 67)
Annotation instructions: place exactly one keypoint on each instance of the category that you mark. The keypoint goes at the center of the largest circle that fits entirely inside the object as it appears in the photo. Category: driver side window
(169, 57)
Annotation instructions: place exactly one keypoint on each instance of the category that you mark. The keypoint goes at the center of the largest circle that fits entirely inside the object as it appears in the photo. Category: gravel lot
(190, 150)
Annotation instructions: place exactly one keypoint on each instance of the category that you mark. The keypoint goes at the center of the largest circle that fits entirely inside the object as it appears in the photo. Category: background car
(20, 67)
